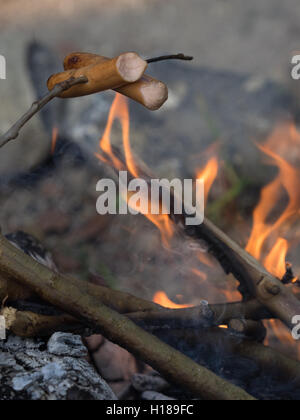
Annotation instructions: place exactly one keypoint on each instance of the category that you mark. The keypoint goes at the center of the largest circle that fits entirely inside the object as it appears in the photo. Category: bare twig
(170, 57)
(14, 131)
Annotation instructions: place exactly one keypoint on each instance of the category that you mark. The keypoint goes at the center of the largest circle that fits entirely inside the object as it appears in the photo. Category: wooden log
(127, 68)
(69, 297)
(147, 91)
(146, 314)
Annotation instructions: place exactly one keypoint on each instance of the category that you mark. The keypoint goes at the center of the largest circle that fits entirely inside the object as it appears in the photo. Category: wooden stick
(148, 314)
(67, 296)
(110, 74)
(14, 131)
(250, 329)
(70, 62)
(267, 289)
(147, 91)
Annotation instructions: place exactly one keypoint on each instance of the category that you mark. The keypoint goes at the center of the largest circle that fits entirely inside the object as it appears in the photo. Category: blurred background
(236, 92)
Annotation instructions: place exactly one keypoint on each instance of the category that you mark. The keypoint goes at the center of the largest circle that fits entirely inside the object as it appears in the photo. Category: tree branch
(170, 57)
(14, 131)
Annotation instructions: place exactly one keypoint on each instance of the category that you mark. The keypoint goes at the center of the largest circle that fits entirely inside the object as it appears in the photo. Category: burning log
(250, 329)
(110, 74)
(58, 370)
(69, 296)
(202, 316)
(156, 396)
(14, 131)
(148, 91)
(266, 358)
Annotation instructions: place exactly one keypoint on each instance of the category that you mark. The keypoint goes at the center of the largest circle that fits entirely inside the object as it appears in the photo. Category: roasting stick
(147, 91)
(57, 90)
(14, 131)
(68, 296)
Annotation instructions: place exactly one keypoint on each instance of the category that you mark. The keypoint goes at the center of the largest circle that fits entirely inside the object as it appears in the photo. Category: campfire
(226, 330)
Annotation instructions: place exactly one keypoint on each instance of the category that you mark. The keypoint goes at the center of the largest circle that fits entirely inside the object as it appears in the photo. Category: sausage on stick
(148, 91)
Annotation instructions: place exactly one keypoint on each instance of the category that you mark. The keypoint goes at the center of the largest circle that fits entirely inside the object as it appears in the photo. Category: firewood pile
(72, 339)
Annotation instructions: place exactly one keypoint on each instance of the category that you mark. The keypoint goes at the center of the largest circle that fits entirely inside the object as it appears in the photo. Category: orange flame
(275, 262)
(54, 139)
(120, 110)
(162, 299)
(282, 139)
(208, 175)
(266, 242)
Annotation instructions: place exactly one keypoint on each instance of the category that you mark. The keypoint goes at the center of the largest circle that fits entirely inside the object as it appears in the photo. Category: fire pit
(167, 308)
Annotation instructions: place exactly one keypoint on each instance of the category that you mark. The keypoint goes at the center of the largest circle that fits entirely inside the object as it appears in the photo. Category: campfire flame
(120, 111)
(264, 232)
(162, 299)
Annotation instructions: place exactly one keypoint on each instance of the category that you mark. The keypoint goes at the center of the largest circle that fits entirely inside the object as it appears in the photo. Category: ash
(53, 370)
